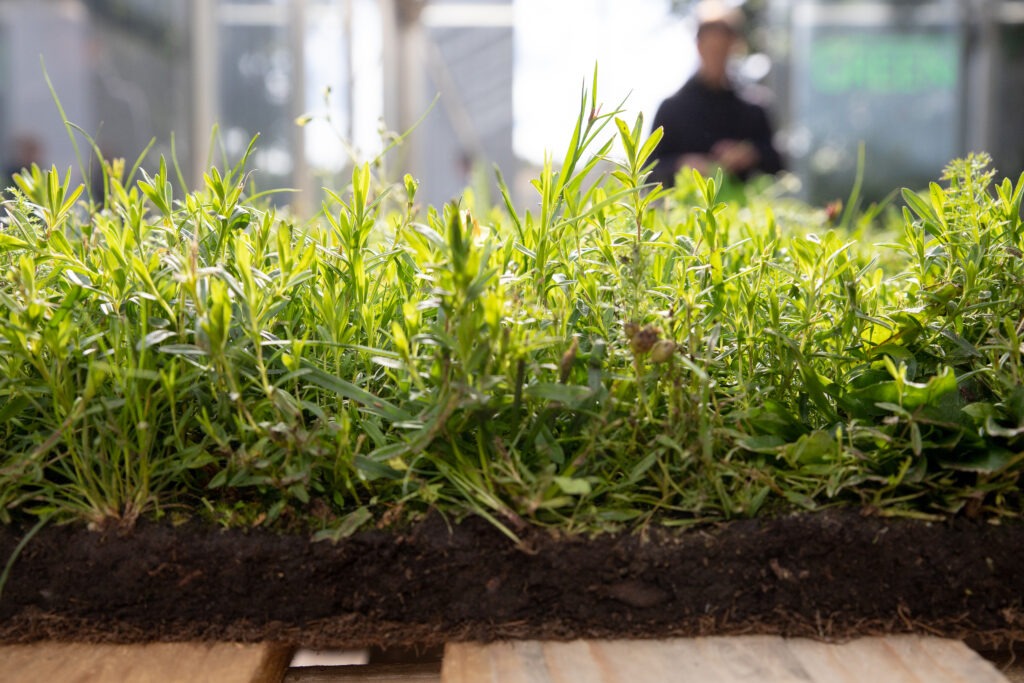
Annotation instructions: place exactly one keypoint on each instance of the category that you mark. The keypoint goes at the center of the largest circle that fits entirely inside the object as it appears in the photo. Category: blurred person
(708, 123)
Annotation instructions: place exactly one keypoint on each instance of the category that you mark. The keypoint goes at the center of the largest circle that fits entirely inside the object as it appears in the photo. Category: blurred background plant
(915, 82)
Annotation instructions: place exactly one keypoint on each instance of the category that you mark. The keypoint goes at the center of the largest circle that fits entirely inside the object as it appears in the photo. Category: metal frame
(203, 24)
(408, 59)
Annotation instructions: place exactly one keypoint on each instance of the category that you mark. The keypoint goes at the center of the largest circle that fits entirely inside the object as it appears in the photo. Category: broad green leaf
(993, 460)
(350, 524)
(572, 486)
(810, 448)
(919, 206)
(8, 242)
(995, 429)
(373, 470)
(650, 145)
(568, 394)
(13, 407)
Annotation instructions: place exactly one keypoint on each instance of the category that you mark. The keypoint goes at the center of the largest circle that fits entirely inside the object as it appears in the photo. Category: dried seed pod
(834, 210)
(662, 351)
(644, 339)
(568, 358)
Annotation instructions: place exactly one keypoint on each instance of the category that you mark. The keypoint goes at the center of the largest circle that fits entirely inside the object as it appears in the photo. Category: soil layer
(828, 575)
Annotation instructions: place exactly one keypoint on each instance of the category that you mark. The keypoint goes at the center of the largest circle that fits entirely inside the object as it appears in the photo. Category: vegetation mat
(620, 396)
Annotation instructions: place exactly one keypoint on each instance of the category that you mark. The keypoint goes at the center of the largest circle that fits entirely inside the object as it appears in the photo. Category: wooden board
(150, 663)
(1009, 661)
(367, 673)
(760, 659)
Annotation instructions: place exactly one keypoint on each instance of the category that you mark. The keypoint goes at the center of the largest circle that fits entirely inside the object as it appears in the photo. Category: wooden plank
(1009, 661)
(429, 672)
(306, 658)
(899, 659)
(767, 659)
(147, 663)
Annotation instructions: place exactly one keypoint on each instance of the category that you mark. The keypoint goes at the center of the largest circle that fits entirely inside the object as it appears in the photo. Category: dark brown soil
(829, 575)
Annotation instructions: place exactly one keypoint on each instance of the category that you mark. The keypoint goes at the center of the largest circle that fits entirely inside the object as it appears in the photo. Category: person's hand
(702, 163)
(735, 156)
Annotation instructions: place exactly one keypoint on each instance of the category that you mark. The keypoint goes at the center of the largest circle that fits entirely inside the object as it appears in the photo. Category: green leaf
(915, 438)
(995, 429)
(393, 450)
(938, 197)
(929, 394)
(387, 362)
(219, 480)
(980, 412)
(1015, 405)
(300, 493)
(351, 523)
(626, 137)
(373, 470)
(800, 499)
(569, 394)
(13, 407)
(919, 206)
(641, 468)
(154, 338)
(7, 243)
(573, 487)
(765, 443)
(811, 448)
(432, 236)
(650, 145)
(372, 404)
(992, 461)
(548, 446)
(182, 350)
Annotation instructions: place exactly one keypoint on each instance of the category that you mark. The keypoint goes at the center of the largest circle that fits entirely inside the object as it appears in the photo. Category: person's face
(715, 45)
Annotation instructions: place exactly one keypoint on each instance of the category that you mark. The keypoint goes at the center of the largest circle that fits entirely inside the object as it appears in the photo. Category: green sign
(884, 64)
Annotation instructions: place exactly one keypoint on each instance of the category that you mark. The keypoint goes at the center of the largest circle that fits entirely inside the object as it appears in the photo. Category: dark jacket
(698, 116)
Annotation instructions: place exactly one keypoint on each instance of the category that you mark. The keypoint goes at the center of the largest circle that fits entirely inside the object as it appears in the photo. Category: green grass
(615, 356)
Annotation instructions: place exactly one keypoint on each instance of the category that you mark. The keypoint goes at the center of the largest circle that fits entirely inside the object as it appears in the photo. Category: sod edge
(833, 574)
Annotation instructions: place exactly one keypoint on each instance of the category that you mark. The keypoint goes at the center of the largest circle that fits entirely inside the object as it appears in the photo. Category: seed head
(662, 350)
(833, 210)
(643, 339)
(568, 358)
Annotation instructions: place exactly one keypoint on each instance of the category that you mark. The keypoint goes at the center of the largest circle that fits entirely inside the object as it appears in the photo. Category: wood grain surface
(429, 672)
(51, 662)
(747, 659)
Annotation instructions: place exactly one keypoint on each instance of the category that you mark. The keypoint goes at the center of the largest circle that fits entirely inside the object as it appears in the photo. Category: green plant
(627, 355)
